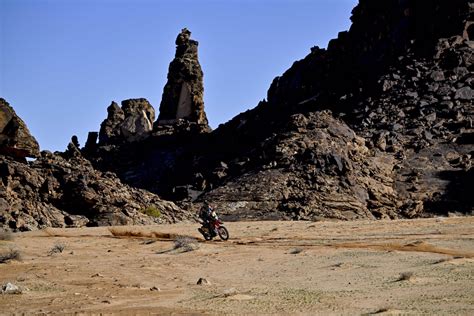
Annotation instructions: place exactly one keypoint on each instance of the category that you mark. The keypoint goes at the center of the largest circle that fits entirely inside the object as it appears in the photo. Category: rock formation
(56, 191)
(15, 138)
(183, 94)
(59, 190)
(132, 122)
(379, 125)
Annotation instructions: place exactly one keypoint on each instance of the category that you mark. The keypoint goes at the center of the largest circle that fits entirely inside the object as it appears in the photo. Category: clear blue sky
(63, 61)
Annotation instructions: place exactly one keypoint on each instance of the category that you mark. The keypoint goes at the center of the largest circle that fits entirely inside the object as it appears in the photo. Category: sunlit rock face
(131, 122)
(183, 93)
(15, 138)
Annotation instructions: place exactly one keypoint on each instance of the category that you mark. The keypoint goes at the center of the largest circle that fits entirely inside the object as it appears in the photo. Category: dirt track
(266, 267)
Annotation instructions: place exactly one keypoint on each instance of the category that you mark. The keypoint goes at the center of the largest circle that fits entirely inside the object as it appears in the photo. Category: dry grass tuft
(185, 244)
(57, 248)
(12, 254)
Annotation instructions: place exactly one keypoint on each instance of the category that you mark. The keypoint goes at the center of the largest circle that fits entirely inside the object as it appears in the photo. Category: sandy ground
(408, 267)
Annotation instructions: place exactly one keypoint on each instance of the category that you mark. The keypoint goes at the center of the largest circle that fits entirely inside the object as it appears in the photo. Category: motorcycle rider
(208, 215)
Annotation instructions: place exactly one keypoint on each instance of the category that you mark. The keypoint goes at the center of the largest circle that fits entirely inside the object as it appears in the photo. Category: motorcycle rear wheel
(223, 233)
(205, 234)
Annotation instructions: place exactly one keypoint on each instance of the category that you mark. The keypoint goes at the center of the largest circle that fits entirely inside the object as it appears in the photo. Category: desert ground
(409, 267)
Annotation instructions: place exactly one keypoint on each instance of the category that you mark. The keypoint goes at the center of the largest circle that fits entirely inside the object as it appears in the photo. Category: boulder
(15, 138)
(10, 288)
(139, 117)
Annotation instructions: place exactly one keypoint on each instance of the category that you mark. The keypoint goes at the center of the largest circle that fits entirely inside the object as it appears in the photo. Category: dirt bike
(218, 229)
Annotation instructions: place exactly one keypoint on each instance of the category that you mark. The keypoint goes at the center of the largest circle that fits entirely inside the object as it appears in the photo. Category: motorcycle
(218, 228)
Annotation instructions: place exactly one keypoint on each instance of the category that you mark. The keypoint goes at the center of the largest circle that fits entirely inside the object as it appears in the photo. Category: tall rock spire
(183, 94)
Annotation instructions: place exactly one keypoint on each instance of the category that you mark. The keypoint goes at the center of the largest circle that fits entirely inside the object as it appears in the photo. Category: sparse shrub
(405, 276)
(185, 244)
(151, 211)
(57, 248)
(12, 254)
(5, 234)
(295, 251)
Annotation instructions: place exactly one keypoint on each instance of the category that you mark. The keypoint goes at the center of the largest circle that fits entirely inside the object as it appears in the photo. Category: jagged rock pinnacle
(184, 91)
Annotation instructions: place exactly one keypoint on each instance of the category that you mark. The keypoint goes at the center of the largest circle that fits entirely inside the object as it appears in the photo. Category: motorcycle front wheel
(223, 233)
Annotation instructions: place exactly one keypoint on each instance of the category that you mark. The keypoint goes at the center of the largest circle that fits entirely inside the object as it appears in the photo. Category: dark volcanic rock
(15, 138)
(183, 94)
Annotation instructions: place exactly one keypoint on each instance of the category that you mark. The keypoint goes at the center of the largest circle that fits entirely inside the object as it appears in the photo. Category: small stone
(465, 93)
(433, 87)
(423, 103)
(412, 94)
(10, 288)
(397, 127)
(461, 71)
(387, 85)
(154, 288)
(431, 117)
(437, 75)
(97, 275)
(446, 105)
(428, 135)
(203, 281)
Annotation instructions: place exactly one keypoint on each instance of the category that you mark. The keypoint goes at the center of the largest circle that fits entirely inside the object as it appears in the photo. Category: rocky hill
(378, 125)
(64, 190)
